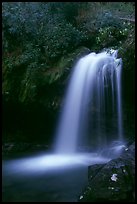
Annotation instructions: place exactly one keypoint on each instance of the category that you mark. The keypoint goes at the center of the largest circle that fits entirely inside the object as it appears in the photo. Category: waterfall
(93, 95)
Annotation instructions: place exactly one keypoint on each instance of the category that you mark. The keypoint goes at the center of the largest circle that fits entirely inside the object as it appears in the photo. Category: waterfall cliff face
(95, 82)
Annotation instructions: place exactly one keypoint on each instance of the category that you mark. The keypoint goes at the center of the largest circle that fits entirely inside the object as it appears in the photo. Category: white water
(45, 163)
(63, 174)
(47, 177)
(89, 87)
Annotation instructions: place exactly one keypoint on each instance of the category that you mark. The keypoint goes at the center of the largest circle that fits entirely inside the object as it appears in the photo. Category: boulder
(113, 181)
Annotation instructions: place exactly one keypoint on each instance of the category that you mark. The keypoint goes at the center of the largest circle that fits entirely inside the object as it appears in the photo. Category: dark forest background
(41, 41)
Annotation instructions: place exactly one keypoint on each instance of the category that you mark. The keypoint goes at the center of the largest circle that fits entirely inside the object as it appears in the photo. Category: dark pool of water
(46, 177)
(54, 185)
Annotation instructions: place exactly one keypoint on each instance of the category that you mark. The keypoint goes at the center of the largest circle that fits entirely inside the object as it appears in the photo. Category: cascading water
(93, 93)
(95, 83)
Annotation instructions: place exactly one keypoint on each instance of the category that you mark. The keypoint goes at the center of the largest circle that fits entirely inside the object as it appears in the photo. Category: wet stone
(113, 181)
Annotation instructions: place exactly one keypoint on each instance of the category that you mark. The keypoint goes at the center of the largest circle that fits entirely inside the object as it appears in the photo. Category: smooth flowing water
(46, 177)
(60, 175)
(95, 83)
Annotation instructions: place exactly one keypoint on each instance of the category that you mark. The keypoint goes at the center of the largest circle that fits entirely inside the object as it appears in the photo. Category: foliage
(34, 23)
(111, 36)
(38, 37)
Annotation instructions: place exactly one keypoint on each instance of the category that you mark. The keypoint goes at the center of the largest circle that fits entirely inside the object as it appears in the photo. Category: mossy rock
(55, 73)
(34, 79)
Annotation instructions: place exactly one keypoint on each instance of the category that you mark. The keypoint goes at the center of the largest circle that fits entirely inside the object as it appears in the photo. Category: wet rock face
(113, 181)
